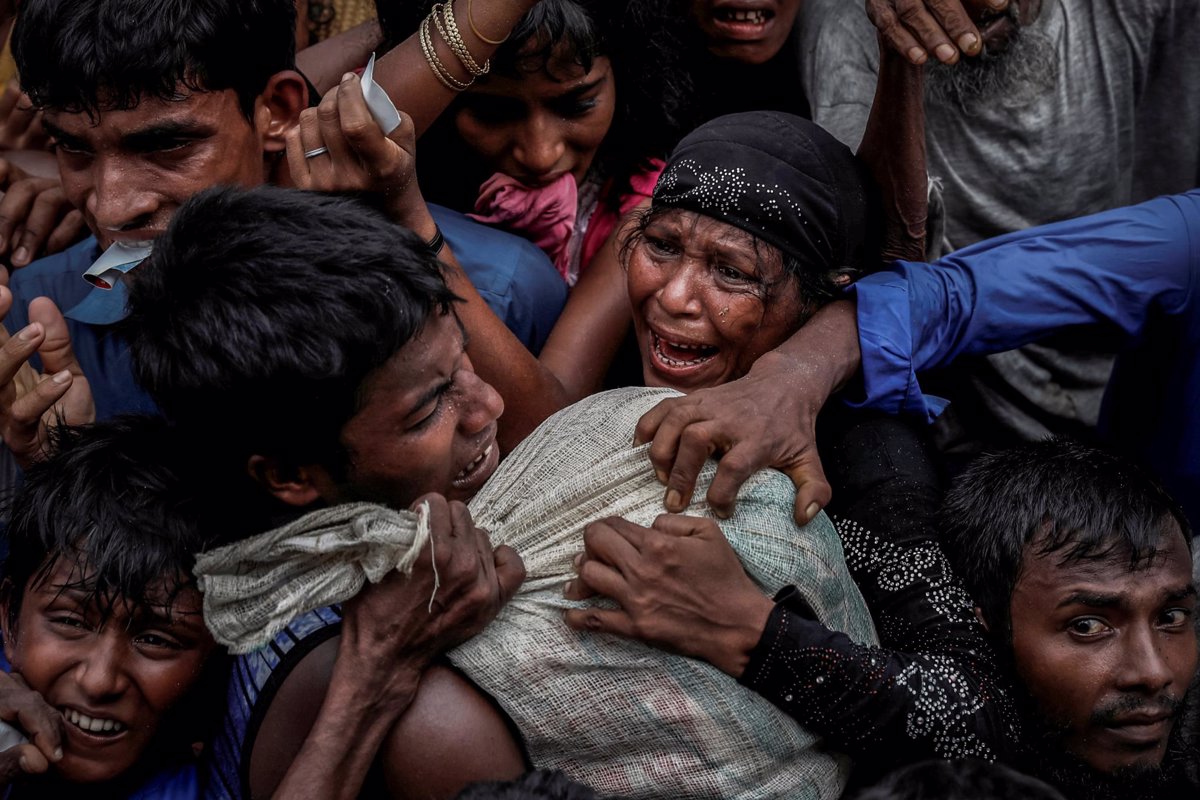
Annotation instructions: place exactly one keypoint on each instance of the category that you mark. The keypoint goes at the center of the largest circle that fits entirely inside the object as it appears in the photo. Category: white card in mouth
(118, 259)
(378, 103)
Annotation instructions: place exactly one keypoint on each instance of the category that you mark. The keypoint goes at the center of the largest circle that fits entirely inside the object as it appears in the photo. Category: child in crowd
(102, 618)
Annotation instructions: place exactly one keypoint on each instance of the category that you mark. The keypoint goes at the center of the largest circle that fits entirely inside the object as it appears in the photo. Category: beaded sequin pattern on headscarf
(778, 177)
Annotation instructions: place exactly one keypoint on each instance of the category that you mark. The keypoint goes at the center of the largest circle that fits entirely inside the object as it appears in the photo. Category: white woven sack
(618, 715)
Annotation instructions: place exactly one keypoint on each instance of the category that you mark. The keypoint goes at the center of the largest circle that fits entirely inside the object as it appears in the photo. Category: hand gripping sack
(616, 714)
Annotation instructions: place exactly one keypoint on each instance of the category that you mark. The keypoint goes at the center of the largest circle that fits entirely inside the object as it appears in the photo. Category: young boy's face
(114, 678)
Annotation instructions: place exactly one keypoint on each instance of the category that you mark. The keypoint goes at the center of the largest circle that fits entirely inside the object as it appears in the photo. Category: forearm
(325, 62)
(405, 72)
(893, 148)
(531, 392)
(358, 712)
(821, 357)
(924, 706)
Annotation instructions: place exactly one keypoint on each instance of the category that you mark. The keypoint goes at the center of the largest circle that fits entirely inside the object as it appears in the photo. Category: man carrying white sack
(323, 375)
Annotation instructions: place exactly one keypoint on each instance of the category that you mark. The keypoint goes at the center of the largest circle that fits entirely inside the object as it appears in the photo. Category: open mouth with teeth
(94, 726)
(757, 16)
(681, 355)
(474, 465)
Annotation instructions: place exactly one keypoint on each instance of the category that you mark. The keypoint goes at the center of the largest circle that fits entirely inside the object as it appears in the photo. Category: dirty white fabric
(255, 587)
(621, 716)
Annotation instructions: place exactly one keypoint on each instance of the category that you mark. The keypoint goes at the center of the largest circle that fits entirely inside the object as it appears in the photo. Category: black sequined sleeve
(932, 690)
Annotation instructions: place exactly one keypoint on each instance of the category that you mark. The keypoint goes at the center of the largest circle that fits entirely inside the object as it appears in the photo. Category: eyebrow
(582, 89)
(1100, 600)
(58, 133)
(1093, 599)
(168, 130)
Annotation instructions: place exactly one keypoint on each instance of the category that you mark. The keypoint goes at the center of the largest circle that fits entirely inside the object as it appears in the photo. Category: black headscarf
(780, 178)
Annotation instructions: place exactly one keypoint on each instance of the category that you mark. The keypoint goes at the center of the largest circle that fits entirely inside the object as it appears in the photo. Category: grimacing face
(707, 299)
(115, 679)
(427, 424)
(1106, 653)
(128, 171)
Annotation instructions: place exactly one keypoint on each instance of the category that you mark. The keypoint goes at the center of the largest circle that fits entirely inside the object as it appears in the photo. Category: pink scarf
(545, 215)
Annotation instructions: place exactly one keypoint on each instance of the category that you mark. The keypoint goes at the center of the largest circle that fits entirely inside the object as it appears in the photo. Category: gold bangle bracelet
(478, 35)
(447, 26)
(435, 64)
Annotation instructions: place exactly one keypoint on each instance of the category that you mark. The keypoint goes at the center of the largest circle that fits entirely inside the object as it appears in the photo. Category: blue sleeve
(516, 279)
(1117, 267)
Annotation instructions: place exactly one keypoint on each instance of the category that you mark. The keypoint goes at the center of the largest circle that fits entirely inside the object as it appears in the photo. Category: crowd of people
(600, 398)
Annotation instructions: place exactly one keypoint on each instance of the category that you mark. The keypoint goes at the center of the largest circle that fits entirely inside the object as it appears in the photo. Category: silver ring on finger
(316, 151)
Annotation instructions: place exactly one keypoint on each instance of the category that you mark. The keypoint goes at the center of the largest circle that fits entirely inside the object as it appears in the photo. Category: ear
(295, 486)
(7, 623)
(842, 278)
(277, 109)
(982, 619)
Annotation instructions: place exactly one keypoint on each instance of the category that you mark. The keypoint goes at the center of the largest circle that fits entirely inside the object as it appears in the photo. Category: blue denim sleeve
(513, 276)
(1118, 267)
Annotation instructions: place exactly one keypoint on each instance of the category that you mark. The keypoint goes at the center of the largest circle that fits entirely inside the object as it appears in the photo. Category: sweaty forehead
(191, 110)
(1053, 573)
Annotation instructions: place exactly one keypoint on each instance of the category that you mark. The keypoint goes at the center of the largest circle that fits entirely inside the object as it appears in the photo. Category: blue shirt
(515, 278)
(1134, 268)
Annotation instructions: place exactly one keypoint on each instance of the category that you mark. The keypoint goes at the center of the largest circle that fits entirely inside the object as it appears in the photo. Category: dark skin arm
(334, 711)
(766, 418)
(405, 74)
(361, 158)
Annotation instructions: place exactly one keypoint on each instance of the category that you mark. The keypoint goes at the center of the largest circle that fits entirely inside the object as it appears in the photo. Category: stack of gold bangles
(442, 15)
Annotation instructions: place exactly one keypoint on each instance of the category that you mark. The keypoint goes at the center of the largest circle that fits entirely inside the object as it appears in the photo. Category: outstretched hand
(457, 587)
(679, 586)
(25, 709)
(30, 402)
(945, 28)
(359, 157)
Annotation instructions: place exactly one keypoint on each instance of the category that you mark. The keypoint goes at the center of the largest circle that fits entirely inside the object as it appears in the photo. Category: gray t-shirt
(1117, 122)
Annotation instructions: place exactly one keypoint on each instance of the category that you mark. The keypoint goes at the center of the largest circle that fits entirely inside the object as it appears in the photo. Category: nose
(679, 294)
(1145, 661)
(481, 404)
(100, 675)
(119, 200)
(538, 146)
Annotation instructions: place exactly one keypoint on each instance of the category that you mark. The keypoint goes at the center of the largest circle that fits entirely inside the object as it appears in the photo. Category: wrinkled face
(541, 125)
(1106, 653)
(427, 423)
(129, 170)
(114, 678)
(751, 31)
(707, 299)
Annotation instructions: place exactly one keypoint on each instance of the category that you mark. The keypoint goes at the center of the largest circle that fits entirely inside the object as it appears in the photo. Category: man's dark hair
(99, 55)
(1059, 496)
(113, 500)
(261, 313)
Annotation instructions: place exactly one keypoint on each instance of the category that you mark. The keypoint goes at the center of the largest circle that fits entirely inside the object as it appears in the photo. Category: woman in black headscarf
(758, 220)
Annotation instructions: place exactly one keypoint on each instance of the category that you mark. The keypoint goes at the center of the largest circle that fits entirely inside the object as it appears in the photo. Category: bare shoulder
(452, 735)
(289, 719)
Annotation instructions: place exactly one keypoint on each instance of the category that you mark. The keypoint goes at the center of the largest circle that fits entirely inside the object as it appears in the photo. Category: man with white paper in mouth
(143, 117)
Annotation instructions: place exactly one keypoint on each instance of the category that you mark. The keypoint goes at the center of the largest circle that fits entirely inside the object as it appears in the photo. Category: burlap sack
(618, 715)
(615, 714)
